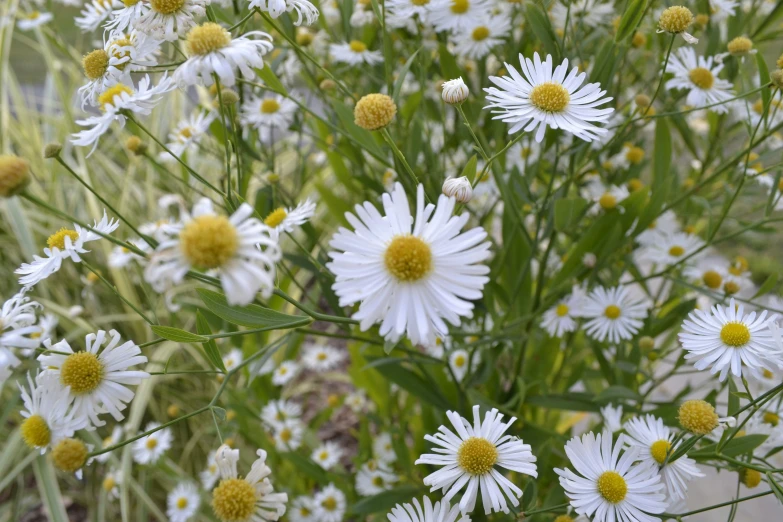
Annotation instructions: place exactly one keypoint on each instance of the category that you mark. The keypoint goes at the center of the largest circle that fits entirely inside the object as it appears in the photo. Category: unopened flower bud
(14, 175)
(777, 78)
(52, 150)
(135, 145)
(229, 97)
(646, 343)
(374, 111)
(458, 188)
(740, 46)
(454, 92)
(327, 84)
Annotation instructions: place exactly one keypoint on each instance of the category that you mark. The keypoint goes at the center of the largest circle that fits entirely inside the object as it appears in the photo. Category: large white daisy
(354, 53)
(478, 38)
(48, 412)
(409, 276)
(439, 512)
(546, 98)
(469, 459)
(456, 15)
(170, 19)
(267, 111)
(699, 76)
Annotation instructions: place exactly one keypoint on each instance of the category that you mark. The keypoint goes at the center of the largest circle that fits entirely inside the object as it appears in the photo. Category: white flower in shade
(95, 13)
(407, 9)
(182, 502)
(32, 19)
(170, 19)
(439, 512)
(609, 486)
(354, 53)
(546, 98)
(666, 223)
(727, 339)
(209, 241)
(64, 244)
(210, 475)
(111, 482)
(126, 15)
(121, 257)
(383, 449)
(48, 413)
(303, 509)
(115, 102)
(268, 111)
(373, 478)
(245, 499)
(721, 10)
(581, 14)
(470, 459)
(357, 401)
(327, 455)
(456, 15)
(523, 154)
(306, 12)
(561, 318)
(97, 376)
(362, 14)
(322, 358)
(187, 135)
(478, 38)
(671, 249)
(149, 449)
(614, 314)
(454, 92)
(213, 52)
(613, 417)
(114, 437)
(408, 274)
(285, 372)
(18, 331)
(276, 412)
(654, 441)
(329, 504)
(285, 219)
(699, 76)
(233, 359)
(288, 435)
(460, 362)
(754, 112)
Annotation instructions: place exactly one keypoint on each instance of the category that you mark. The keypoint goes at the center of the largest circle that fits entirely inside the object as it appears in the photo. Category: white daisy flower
(277, 412)
(383, 449)
(322, 358)
(126, 15)
(114, 102)
(327, 455)
(210, 475)
(666, 223)
(407, 9)
(32, 19)
(213, 52)
(182, 502)
(753, 113)
(670, 249)
(477, 39)
(187, 135)
(469, 459)
(95, 13)
(654, 441)
(285, 372)
(149, 449)
(373, 478)
(170, 19)
(288, 435)
(362, 14)
(609, 486)
(114, 437)
(233, 359)
(614, 314)
(329, 504)
(121, 257)
(580, 14)
(354, 53)
(460, 361)
(267, 111)
(230, 245)
(303, 510)
(357, 401)
(522, 154)
(98, 378)
(306, 12)
(63, 244)
(721, 10)
(546, 98)
(561, 318)
(18, 311)
(48, 412)
(439, 512)
(409, 275)
(613, 417)
(250, 498)
(17, 331)
(111, 482)
(699, 76)
(456, 15)
(726, 339)
(285, 219)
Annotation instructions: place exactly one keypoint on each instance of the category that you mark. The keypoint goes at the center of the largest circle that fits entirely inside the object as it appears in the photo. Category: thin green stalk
(117, 292)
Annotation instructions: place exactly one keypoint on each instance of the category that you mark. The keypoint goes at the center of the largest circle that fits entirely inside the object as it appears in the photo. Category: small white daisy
(383, 449)
(373, 478)
(699, 76)
(111, 482)
(522, 154)
(614, 314)
(439, 512)
(561, 318)
(460, 362)
(613, 417)
(268, 111)
(170, 19)
(114, 438)
(17, 331)
(303, 510)
(666, 223)
(727, 339)
(32, 19)
(288, 435)
(546, 98)
(48, 412)
(276, 412)
(477, 39)
(581, 14)
(149, 449)
(95, 13)
(182, 502)
(126, 15)
(230, 245)
(187, 135)
(354, 53)
(670, 249)
(357, 401)
(407, 9)
(327, 455)
(210, 475)
(233, 359)
(456, 15)
(408, 274)
(721, 10)
(306, 12)
(98, 377)
(286, 371)
(469, 459)
(322, 358)
(329, 504)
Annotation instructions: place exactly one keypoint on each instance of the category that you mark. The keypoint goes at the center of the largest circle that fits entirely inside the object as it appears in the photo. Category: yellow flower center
(676, 251)
(329, 504)
(234, 500)
(612, 486)
(739, 46)
(750, 477)
(477, 456)
(459, 361)
(460, 6)
(69, 455)
(659, 449)
(151, 444)
(167, 7)
(607, 201)
(82, 371)
(130, 3)
(378, 481)
(374, 111)
(57, 240)
(634, 155)
(550, 97)
(701, 78)
(408, 258)
(206, 38)
(735, 334)
(95, 64)
(275, 217)
(771, 418)
(712, 279)
(357, 46)
(676, 19)
(612, 312)
(35, 432)
(119, 54)
(731, 287)
(480, 33)
(698, 417)
(109, 483)
(768, 374)
(107, 96)
(182, 503)
(32, 15)
(269, 106)
(564, 518)
(285, 435)
(14, 174)
(209, 241)
(561, 310)
(420, 2)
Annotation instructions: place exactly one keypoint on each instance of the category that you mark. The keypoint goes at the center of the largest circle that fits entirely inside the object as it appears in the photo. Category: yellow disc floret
(206, 38)
(561, 310)
(607, 201)
(712, 279)
(408, 258)
(460, 6)
(634, 155)
(14, 174)
(612, 312)
(676, 19)
(69, 455)
(550, 97)
(771, 418)
(357, 46)
(477, 455)
(676, 251)
(659, 449)
(209, 241)
(109, 483)
(82, 371)
(95, 64)
(740, 46)
(275, 217)
(698, 417)
(167, 7)
(374, 111)
(234, 500)
(35, 432)
(107, 96)
(57, 240)
(270, 106)
(480, 33)
(701, 78)
(749, 477)
(735, 334)
(612, 486)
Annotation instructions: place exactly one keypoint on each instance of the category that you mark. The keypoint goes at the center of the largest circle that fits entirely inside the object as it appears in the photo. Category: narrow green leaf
(469, 171)
(403, 73)
(210, 347)
(271, 79)
(733, 397)
(307, 466)
(385, 501)
(413, 384)
(538, 21)
(767, 285)
(49, 489)
(766, 94)
(736, 446)
(177, 335)
(630, 20)
(568, 211)
(251, 316)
